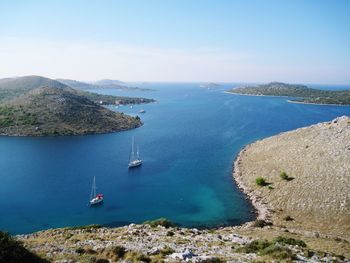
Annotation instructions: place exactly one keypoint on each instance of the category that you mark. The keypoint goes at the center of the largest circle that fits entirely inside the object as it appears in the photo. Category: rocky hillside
(38, 106)
(300, 93)
(301, 179)
(159, 242)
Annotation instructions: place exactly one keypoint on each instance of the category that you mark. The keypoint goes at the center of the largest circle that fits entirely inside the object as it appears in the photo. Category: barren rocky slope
(315, 191)
(151, 243)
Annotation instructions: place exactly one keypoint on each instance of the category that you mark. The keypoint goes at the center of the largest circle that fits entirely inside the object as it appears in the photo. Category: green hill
(300, 93)
(38, 106)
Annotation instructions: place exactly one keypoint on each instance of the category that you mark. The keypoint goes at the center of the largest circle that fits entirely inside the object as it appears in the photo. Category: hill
(38, 106)
(305, 177)
(14, 87)
(299, 93)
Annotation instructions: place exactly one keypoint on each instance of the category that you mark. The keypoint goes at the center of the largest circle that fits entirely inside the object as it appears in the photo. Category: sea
(188, 142)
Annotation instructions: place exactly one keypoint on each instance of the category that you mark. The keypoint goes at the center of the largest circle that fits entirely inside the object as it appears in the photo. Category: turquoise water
(188, 142)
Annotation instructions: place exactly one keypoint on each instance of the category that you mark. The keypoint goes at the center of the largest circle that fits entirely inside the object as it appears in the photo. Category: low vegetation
(93, 226)
(160, 222)
(277, 248)
(289, 241)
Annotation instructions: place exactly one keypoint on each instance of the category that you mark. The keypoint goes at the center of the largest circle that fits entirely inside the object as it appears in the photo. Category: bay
(188, 142)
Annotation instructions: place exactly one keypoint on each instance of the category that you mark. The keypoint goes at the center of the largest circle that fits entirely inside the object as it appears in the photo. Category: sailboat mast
(92, 189)
(132, 157)
(138, 153)
(94, 186)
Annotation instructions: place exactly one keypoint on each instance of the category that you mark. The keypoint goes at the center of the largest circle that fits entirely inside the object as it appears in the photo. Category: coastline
(262, 210)
(68, 135)
(318, 104)
(252, 95)
(289, 101)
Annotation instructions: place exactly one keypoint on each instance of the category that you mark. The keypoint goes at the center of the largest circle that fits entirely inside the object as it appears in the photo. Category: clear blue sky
(295, 41)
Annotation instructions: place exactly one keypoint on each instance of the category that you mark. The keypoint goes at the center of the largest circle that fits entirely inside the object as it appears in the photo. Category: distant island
(39, 106)
(299, 93)
(209, 85)
(101, 84)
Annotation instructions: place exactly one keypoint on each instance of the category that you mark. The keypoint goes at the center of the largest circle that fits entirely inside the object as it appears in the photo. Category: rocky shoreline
(263, 212)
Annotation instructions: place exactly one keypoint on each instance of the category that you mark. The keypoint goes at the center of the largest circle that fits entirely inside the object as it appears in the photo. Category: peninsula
(300, 179)
(298, 93)
(38, 106)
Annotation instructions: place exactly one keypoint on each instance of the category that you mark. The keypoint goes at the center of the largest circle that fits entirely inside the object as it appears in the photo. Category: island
(298, 93)
(39, 106)
(209, 85)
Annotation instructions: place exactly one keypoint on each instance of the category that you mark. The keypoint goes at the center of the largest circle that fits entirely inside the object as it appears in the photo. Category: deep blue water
(188, 142)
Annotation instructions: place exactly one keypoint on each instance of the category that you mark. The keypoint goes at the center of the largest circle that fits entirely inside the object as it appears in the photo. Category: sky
(296, 41)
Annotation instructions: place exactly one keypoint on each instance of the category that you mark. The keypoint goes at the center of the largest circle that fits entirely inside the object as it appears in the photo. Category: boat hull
(135, 163)
(96, 201)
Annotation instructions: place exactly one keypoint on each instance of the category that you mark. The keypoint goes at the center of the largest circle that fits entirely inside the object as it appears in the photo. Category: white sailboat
(134, 159)
(95, 199)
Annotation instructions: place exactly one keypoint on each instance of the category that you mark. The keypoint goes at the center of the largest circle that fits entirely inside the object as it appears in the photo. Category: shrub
(102, 260)
(254, 246)
(166, 251)
(160, 222)
(137, 257)
(288, 218)
(119, 251)
(170, 233)
(289, 241)
(277, 252)
(264, 247)
(260, 181)
(212, 260)
(261, 223)
(284, 175)
(12, 251)
(80, 250)
(94, 226)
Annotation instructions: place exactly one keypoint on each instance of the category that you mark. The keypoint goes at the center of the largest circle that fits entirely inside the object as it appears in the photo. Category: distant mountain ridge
(101, 84)
(301, 93)
(108, 82)
(38, 106)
